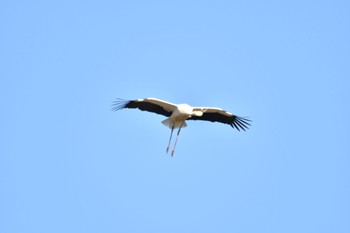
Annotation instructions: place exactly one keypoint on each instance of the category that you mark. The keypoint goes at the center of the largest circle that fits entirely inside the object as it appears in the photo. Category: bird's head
(198, 113)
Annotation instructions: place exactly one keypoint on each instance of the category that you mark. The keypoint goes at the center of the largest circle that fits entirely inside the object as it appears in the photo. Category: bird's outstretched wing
(148, 104)
(220, 115)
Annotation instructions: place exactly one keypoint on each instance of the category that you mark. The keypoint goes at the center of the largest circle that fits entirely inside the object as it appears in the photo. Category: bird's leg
(171, 134)
(177, 136)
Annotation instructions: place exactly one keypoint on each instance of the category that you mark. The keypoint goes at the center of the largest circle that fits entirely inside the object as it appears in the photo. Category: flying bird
(178, 114)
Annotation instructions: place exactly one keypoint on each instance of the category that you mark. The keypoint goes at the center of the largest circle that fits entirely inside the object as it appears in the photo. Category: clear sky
(70, 164)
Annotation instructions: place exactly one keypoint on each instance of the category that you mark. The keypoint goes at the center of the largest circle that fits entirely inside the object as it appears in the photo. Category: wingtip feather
(241, 123)
(119, 104)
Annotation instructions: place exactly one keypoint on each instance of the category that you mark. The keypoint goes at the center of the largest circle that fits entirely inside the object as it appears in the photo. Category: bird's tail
(171, 124)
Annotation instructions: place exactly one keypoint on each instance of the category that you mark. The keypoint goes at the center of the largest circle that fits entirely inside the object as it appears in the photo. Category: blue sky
(70, 164)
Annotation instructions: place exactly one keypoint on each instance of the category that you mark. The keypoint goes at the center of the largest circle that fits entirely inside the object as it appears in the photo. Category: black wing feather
(233, 120)
(142, 105)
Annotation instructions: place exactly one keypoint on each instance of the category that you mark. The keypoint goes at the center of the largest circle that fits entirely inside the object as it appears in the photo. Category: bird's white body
(178, 114)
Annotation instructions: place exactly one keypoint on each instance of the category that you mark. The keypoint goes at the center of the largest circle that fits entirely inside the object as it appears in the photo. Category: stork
(178, 114)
